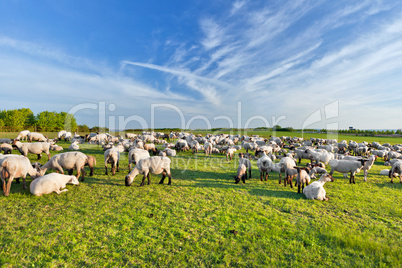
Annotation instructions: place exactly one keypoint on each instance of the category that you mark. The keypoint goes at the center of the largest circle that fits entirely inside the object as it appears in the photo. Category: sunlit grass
(203, 219)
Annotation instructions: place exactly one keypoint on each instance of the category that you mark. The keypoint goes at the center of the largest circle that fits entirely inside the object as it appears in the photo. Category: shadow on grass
(388, 184)
(208, 179)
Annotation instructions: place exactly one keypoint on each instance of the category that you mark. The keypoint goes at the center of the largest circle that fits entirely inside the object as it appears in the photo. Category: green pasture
(203, 219)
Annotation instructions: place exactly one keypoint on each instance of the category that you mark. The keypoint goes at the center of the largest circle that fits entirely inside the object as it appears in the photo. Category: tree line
(24, 118)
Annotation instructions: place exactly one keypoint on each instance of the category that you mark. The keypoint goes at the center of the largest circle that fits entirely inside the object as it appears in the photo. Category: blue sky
(310, 64)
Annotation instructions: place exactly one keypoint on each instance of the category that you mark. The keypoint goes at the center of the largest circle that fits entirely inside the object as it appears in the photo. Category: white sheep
(14, 167)
(229, 153)
(112, 156)
(316, 189)
(68, 161)
(396, 169)
(23, 135)
(135, 155)
(6, 148)
(35, 136)
(246, 162)
(54, 147)
(168, 152)
(154, 165)
(50, 183)
(33, 148)
(302, 178)
(74, 146)
(320, 156)
(346, 166)
(368, 164)
(264, 165)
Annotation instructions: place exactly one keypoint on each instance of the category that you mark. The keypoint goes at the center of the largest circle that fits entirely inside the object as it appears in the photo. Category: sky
(205, 63)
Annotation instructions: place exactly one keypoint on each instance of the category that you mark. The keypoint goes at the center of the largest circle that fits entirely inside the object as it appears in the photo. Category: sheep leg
(149, 180)
(244, 177)
(163, 177)
(83, 173)
(261, 174)
(117, 166)
(266, 175)
(39, 156)
(3, 185)
(105, 169)
(170, 178)
(285, 181)
(113, 169)
(143, 179)
(7, 192)
(24, 186)
(59, 192)
(290, 182)
(129, 168)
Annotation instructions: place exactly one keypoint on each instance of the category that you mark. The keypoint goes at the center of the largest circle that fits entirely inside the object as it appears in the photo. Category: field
(203, 219)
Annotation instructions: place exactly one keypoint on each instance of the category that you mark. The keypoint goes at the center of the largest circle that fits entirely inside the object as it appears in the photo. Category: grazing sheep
(68, 161)
(135, 155)
(367, 165)
(250, 146)
(154, 165)
(150, 147)
(6, 148)
(207, 148)
(112, 156)
(316, 189)
(241, 174)
(33, 148)
(385, 172)
(317, 170)
(50, 183)
(346, 166)
(320, 156)
(15, 166)
(23, 135)
(35, 136)
(396, 168)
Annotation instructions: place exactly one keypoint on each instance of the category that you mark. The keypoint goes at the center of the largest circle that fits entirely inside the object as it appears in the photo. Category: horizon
(304, 64)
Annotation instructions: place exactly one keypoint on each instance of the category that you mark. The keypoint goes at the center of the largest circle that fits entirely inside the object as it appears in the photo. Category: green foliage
(83, 128)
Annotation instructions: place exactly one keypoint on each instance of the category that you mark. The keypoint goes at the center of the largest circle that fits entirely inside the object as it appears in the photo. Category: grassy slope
(103, 223)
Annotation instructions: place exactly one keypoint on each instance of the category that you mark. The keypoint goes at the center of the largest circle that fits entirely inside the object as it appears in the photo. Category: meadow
(203, 219)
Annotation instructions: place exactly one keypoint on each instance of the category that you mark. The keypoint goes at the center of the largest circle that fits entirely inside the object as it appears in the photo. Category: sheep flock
(151, 153)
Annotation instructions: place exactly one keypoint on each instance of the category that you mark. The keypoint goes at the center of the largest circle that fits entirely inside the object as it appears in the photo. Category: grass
(202, 220)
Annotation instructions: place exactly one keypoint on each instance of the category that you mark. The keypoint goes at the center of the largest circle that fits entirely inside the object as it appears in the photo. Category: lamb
(207, 148)
(241, 174)
(52, 182)
(283, 165)
(15, 166)
(150, 147)
(290, 174)
(396, 168)
(69, 161)
(23, 135)
(316, 189)
(112, 156)
(367, 165)
(135, 155)
(317, 170)
(154, 165)
(346, 166)
(246, 162)
(302, 178)
(35, 136)
(6, 148)
(33, 148)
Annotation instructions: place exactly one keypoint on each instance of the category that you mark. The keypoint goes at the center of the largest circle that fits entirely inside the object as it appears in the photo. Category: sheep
(264, 165)
(246, 162)
(302, 178)
(241, 174)
(229, 153)
(69, 161)
(283, 165)
(112, 156)
(135, 155)
(322, 156)
(61, 134)
(154, 165)
(250, 146)
(346, 166)
(15, 166)
(54, 147)
(35, 136)
(207, 148)
(367, 165)
(384, 172)
(33, 148)
(6, 148)
(316, 189)
(52, 182)
(316, 170)
(396, 168)
(23, 135)
(150, 147)
(74, 146)
(290, 173)
(182, 145)
(302, 154)
(167, 152)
